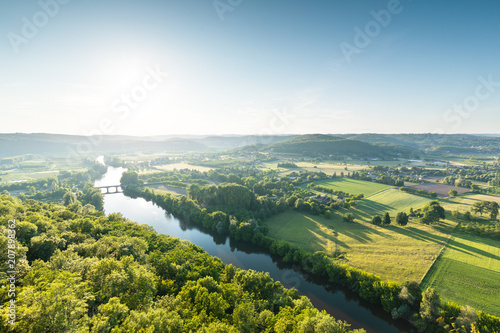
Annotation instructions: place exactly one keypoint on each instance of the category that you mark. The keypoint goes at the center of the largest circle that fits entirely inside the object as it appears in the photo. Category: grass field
(394, 253)
(180, 166)
(353, 186)
(468, 273)
(464, 202)
(391, 200)
(168, 189)
(328, 168)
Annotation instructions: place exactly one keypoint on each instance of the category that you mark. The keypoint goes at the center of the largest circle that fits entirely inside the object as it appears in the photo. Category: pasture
(392, 252)
(326, 167)
(468, 273)
(390, 200)
(180, 166)
(353, 186)
(463, 203)
(168, 189)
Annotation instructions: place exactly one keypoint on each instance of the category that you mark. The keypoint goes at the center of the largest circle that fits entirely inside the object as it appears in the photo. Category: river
(341, 304)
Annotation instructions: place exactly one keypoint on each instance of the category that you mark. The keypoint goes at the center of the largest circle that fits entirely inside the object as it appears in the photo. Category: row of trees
(429, 214)
(418, 192)
(489, 207)
(401, 218)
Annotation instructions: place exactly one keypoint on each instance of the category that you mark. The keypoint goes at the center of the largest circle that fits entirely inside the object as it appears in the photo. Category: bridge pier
(118, 189)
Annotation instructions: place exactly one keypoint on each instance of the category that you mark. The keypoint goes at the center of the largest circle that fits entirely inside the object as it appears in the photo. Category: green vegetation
(333, 219)
(394, 253)
(93, 273)
(392, 201)
(334, 147)
(419, 192)
(468, 273)
(353, 186)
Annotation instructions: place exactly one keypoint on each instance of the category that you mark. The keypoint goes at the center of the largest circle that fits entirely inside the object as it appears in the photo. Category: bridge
(120, 188)
(117, 189)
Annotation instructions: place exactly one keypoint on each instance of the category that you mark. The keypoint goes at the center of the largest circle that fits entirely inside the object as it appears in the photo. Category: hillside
(438, 143)
(325, 145)
(20, 144)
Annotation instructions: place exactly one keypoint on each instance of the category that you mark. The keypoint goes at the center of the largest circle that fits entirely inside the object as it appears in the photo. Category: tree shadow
(374, 206)
(429, 237)
(421, 235)
(459, 246)
(329, 237)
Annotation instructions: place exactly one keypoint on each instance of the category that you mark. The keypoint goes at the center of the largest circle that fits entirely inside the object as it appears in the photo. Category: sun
(123, 70)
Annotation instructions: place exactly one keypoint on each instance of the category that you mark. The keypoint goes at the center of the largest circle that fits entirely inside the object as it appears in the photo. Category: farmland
(180, 166)
(328, 168)
(441, 189)
(468, 273)
(391, 252)
(353, 186)
(464, 202)
(391, 200)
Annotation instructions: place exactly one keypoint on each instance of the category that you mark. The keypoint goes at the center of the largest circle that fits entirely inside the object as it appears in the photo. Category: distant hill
(440, 143)
(356, 145)
(321, 144)
(20, 144)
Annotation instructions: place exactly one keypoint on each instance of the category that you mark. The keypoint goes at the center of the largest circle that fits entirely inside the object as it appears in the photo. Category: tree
(110, 315)
(433, 212)
(453, 193)
(69, 198)
(387, 218)
(412, 212)
(52, 301)
(129, 178)
(493, 208)
(349, 217)
(377, 220)
(479, 207)
(467, 318)
(430, 305)
(402, 218)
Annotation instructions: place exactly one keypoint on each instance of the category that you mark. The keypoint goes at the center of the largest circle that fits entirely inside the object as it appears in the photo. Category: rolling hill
(325, 145)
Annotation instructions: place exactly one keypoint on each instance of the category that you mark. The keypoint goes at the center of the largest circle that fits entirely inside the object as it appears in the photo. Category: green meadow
(353, 186)
(468, 273)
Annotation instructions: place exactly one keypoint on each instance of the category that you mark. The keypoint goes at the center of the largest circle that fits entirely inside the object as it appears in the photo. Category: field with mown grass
(468, 273)
(390, 200)
(353, 186)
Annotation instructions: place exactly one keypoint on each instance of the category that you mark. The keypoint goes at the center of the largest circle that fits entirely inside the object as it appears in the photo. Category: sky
(151, 67)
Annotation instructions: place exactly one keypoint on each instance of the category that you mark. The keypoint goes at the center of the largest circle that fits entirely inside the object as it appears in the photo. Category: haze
(249, 67)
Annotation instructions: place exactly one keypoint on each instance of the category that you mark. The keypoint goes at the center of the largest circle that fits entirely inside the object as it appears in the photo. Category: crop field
(328, 168)
(441, 189)
(390, 200)
(353, 186)
(468, 273)
(180, 166)
(392, 252)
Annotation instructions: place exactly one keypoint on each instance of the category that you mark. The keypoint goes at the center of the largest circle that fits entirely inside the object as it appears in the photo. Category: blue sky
(249, 67)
